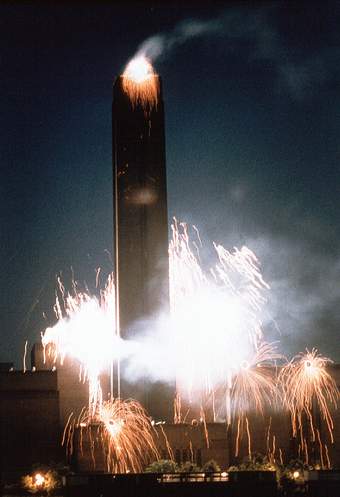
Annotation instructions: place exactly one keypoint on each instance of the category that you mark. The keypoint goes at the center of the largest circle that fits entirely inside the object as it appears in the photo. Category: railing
(192, 477)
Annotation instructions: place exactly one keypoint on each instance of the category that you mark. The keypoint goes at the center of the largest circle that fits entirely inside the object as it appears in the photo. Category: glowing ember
(141, 83)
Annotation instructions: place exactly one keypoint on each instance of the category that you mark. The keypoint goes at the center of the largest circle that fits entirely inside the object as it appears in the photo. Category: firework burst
(85, 330)
(217, 324)
(141, 83)
(306, 383)
(123, 431)
(254, 385)
(253, 389)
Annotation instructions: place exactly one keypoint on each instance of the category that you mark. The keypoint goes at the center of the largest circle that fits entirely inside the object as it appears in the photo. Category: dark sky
(253, 149)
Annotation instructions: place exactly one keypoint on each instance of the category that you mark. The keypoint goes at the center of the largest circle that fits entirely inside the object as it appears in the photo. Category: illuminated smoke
(86, 331)
(216, 315)
(155, 46)
(212, 342)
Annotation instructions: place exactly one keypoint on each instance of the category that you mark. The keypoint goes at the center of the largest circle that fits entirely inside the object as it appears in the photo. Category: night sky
(252, 107)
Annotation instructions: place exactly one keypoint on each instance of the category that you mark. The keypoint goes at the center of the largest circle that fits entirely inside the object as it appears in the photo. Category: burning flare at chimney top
(140, 82)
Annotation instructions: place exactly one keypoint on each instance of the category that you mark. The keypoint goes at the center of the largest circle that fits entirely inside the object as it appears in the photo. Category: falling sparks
(222, 363)
(308, 388)
(123, 431)
(85, 331)
(217, 321)
(141, 83)
(254, 386)
(253, 389)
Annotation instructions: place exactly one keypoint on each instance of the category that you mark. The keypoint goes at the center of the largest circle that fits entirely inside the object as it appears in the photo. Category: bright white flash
(139, 69)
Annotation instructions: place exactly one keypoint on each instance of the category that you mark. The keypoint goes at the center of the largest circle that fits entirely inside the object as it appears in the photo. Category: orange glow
(39, 480)
(141, 83)
(124, 432)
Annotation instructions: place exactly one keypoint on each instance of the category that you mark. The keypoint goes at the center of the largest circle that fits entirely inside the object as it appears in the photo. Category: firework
(141, 83)
(123, 431)
(308, 387)
(216, 315)
(253, 389)
(254, 385)
(216, 348)
(85, 330)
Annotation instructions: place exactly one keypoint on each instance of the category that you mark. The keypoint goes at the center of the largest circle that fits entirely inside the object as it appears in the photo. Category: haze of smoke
(161, 44)
(303, 308)
(296, 72)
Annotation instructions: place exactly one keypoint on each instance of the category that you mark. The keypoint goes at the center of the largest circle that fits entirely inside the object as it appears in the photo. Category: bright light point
(114, 427)
(245, 365)
(308, 386)
(224, 474)
(296, 474)
(140, 83)
(139, 70)
(39, 480)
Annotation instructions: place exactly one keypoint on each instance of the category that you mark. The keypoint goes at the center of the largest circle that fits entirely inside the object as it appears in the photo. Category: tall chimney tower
(140, 204)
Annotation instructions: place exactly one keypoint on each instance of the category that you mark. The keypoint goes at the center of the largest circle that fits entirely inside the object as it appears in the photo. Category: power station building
(35, 405)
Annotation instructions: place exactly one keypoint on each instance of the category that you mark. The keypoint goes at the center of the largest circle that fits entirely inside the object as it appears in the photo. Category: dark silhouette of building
(30, 430)
(141, 223)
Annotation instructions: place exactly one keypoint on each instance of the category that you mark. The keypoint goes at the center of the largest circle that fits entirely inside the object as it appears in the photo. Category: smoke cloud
(296, 72)
(161, 45)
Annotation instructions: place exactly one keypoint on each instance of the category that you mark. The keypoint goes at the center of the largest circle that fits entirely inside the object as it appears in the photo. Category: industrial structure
(140, 225)
(35, 405)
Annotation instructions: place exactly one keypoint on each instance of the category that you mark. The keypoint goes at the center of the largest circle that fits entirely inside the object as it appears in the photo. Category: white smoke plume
(161, 44)
(296, 72)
